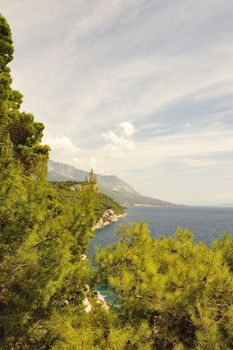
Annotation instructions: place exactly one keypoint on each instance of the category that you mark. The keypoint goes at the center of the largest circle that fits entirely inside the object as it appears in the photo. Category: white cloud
(61, 146)
(183, 146)
(200, 163)
(84, 163)
(119, 142)
(104, 61)
(127, 129)
(63, 150)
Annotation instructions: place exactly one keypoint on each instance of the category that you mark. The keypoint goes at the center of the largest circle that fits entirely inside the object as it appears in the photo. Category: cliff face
(108, 218)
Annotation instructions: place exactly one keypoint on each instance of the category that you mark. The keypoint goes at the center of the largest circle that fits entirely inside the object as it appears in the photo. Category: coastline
(109, 217)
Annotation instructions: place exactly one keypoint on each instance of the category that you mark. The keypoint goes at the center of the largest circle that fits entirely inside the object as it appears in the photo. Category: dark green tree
(24, 133)
(181, 290)
(167, 294)
(43, 231)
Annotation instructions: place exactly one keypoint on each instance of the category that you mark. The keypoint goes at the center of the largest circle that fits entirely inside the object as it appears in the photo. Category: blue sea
(206, 223)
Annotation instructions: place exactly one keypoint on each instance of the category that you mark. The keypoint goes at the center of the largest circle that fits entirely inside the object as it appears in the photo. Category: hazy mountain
(109, 184)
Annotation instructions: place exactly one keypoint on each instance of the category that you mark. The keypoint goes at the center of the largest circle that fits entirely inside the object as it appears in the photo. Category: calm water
(206, 224)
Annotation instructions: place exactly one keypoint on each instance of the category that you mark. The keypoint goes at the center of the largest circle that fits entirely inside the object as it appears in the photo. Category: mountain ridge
(109, 184)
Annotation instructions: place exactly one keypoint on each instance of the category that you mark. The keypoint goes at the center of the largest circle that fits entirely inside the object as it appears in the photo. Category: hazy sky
(142, 89)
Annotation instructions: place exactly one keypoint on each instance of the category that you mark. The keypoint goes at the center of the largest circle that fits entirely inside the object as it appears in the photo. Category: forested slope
(111, 185)
(101, 203)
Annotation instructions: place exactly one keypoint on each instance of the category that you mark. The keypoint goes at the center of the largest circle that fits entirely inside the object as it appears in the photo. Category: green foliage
(181, 289)
(42, 237)
(66, 185)
(170, 294)
(102, 202)
(92, 177)
(99, 330)
(226, 246)
(43, 231)
(6, 47)
(24, 134)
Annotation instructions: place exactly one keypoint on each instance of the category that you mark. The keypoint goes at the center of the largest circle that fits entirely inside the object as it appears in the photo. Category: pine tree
(25, 134)
(43, 231)
(181, 290)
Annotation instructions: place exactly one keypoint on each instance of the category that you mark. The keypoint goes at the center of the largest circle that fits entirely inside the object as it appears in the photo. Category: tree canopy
(43, 232)
(18, 127)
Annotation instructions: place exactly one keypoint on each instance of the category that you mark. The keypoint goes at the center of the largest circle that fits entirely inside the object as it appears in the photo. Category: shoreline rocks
(108, 218)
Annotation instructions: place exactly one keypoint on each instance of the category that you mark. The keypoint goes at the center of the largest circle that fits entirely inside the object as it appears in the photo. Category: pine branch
(45, 240)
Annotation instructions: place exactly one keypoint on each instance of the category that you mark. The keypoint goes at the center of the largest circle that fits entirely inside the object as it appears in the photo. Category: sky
(142, 89)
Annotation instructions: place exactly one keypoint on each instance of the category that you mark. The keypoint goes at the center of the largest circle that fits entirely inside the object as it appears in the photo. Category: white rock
(108, 218)
(87, 305)
(101, 300)
(86, 288)
(83, 257)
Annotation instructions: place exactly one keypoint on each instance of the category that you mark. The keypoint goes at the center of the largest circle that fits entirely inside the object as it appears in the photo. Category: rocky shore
(108, 218)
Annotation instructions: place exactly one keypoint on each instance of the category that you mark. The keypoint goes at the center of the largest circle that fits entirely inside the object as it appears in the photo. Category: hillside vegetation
(111, 185)
(101, 203)
(166, 294)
